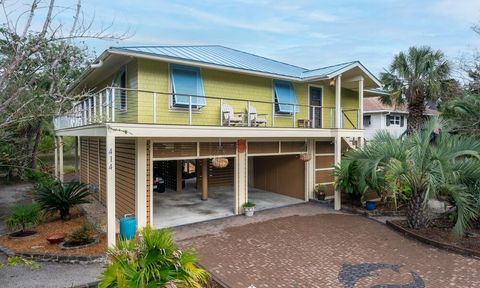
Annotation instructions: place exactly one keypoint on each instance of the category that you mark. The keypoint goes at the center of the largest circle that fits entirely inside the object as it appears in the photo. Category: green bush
(23, 216)
(153, 261)
(40, 178)
(61, 198)
(82, 235)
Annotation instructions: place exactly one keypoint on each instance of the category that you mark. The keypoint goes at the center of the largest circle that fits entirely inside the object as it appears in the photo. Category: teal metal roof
(232, 58)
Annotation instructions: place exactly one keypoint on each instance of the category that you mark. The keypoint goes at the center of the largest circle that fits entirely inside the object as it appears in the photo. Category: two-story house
(157, 125)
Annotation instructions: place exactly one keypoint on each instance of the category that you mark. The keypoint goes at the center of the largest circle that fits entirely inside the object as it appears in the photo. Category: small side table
(304, 123)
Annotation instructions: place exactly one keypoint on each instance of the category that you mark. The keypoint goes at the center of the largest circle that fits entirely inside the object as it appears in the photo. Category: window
(284, 97)
(367, 120)
(395, 120)
(186, 83)
(121, 82)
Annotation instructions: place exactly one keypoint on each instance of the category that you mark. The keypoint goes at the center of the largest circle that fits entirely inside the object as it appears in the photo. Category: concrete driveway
(310, 246)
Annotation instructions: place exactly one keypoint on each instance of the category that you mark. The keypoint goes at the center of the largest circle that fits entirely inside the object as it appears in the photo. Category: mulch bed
(382, 210)
(53, 225)
(440, 235)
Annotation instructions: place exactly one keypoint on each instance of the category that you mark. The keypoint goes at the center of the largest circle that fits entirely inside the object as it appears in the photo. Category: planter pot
(249, 211)
(65, 245)
(321, 197)
(56, 238)
(371, 205)
(22, 235)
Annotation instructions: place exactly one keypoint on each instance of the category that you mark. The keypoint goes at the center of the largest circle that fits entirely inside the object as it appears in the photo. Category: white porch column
(360, 107)
(60, 158)
(338, 102)
(338, 158)
(141, 182)
(241, 180)
(310, 170)
(55, 152)
(110, 188)
(77, 158)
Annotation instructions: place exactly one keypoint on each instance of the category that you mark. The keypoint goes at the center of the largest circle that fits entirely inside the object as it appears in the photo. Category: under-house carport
(187, 188)
(276, 173)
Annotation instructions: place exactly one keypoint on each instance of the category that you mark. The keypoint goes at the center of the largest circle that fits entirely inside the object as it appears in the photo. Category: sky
(306, 33)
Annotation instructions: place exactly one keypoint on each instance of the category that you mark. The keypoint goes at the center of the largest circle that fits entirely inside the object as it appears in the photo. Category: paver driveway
(310, 246)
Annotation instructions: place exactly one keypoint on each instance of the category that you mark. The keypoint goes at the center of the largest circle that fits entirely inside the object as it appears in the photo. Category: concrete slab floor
(173, 208)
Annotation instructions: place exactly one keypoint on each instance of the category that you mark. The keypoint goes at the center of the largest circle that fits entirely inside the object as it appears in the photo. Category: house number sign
(110, 159)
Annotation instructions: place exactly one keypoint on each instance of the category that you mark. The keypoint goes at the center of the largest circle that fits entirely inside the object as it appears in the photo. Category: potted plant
(24, 217)
(320, 191)
(249, 208)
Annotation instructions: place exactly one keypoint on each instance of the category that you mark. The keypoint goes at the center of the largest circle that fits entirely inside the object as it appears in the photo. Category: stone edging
(440, 245)
(43, 257)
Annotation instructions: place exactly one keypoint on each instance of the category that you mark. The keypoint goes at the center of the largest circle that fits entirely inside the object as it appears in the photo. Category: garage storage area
(276, 174)
(189, 190)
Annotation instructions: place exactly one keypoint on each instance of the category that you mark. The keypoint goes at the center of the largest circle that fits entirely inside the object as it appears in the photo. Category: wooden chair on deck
(230, 118)
(255, 118)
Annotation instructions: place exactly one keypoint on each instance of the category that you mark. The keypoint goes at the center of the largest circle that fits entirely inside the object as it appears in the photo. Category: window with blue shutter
(284, 97)
(187, 81)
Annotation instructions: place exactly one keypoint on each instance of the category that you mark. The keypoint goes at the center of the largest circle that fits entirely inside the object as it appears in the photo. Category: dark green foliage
(60, 197)
(463, 115)
(82, 235)
(40, 178)
(23, 216)
(154, 261)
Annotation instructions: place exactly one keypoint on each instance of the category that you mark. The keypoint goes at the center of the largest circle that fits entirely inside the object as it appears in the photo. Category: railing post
(94, 108)
(113, 104)
(248, 114)
(273, 114)
(331, 118)
(90, 113)
(189, 109)
(154, 107)
(294, 116)
(221, 112)
(313, 117)
(100, 105)
(107, 105)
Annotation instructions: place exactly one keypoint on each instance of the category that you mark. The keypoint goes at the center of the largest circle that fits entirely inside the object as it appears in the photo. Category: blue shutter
(187, 81)
(284, 95)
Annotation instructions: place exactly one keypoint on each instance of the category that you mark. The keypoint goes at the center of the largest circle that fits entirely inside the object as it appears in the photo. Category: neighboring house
(378, 116)
(153, 118)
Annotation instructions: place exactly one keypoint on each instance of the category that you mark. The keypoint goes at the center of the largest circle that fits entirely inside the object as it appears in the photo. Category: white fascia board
(89, 130)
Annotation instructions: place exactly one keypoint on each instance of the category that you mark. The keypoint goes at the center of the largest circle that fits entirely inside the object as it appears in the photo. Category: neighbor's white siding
(378, 122)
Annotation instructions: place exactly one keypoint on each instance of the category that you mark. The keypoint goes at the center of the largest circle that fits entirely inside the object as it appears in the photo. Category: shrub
(249, 204)
(40, 178)
(24, 216)
(82, 235)
(153, 261)
(60, 198)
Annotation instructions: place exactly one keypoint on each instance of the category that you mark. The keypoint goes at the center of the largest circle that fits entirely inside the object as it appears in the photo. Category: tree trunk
(416, 109)
(417, 217)
(36, 141)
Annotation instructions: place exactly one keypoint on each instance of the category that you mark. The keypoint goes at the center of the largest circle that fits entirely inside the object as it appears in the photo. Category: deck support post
(310, 170)
(141, 182)
(360, 108)
(179, 175)
(338, 158)
(241, 178)
(110, 181)
(55, 154)
(77, 156)
(204, 179)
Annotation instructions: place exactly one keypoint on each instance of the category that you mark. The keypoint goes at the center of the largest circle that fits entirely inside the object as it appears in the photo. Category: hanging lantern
(219, 160)
(305, 157)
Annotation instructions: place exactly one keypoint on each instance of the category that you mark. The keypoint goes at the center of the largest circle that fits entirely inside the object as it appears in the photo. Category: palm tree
(153, 261)
(463, 114)
(430, 163)
(413, 78)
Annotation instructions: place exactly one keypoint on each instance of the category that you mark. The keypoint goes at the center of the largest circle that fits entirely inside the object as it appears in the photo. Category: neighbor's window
(284, 97)
(187, 86)
(121, 83)
(367, 120)
(394, 120)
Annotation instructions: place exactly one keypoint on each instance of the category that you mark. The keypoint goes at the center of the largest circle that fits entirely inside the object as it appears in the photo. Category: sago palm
(430, 162)
(152, 261)
(413, 78)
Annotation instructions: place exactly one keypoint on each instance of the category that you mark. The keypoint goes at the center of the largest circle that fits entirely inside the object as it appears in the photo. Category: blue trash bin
(128, 226)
